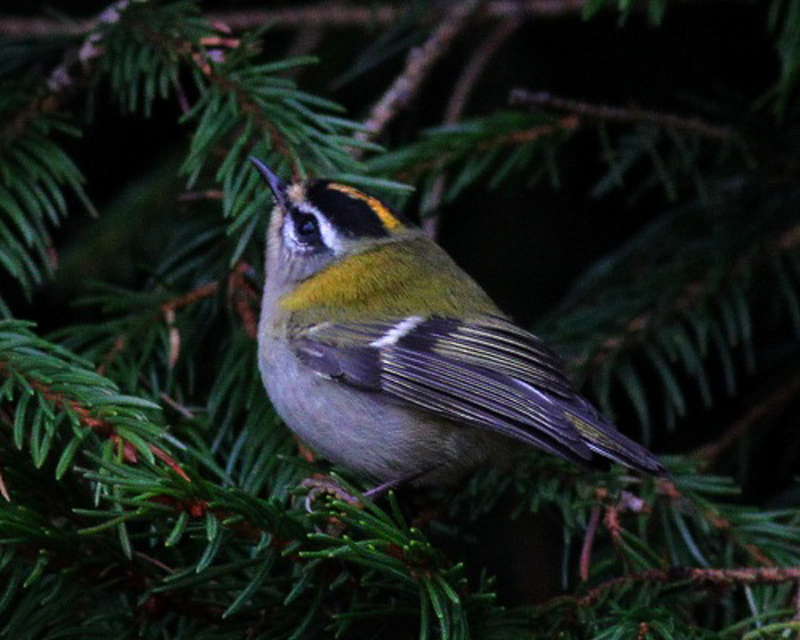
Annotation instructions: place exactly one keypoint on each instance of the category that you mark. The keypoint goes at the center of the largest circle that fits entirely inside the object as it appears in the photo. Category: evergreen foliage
(148, 489)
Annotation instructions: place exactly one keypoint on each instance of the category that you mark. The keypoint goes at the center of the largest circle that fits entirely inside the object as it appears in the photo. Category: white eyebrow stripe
(398, 331)
(326, 229)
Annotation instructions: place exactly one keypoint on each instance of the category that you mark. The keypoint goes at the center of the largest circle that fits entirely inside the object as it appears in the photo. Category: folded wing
(485, 372)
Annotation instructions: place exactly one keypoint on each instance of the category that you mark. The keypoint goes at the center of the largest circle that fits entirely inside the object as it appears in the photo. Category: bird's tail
(603, 439)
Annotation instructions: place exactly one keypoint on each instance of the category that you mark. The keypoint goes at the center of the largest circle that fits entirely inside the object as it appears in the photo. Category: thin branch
(195, 196)
(458, 101)
(774, 403)
(700, 576)
(323, 15)
(418, 64)
(244, 298)
(3, 488)
(202, 292)
(184, 411)
(588, 543)
(605, 113)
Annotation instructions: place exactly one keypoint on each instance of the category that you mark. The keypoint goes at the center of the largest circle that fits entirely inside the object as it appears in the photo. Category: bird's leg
(319, 485)
(382, 489)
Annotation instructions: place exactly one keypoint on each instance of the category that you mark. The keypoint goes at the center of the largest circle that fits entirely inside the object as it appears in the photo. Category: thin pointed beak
(276, 185)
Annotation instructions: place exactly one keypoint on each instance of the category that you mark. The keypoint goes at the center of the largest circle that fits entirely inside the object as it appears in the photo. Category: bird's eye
(307, 227)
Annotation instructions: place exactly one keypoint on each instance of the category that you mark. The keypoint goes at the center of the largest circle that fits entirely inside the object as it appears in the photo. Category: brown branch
(202, 292)
(624, 501)
(700, 576)
(418, 64)
(588, 543)
(774, 403)
(208, 194)
(3, 488)
(184, 411)
(605, 113)
(457, 103)
(323, 15)
(244, 297)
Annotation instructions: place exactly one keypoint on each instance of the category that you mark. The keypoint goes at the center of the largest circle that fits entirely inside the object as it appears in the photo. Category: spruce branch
(61, 385)
(691, 296)
(511, 139)
(699, 577)
(35, 168)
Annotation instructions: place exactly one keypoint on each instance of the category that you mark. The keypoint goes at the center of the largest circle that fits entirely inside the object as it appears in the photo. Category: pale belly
(364, 432)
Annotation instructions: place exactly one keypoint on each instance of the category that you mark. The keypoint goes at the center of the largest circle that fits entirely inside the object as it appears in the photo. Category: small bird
(383, 356)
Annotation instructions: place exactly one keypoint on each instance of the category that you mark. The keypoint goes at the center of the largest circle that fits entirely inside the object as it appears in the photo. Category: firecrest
(383, 356)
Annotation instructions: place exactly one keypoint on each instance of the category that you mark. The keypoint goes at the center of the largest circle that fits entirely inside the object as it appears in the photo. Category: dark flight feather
(485, 372)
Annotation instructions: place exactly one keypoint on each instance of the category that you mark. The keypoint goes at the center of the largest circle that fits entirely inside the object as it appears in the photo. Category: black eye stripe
(349, 216)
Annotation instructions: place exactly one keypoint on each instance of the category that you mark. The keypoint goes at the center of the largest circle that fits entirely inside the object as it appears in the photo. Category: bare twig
(606, 113)
(203, 291)
(625, 501)
(25, 27)
(185, 412)
(588, 543)
(323, 14)
(244, 299)
(775, 402)
(418, 65)
(3, 488)
(457, 103)
(194, 196)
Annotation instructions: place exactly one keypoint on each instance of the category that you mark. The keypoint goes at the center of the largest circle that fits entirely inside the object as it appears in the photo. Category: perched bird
(383, 356)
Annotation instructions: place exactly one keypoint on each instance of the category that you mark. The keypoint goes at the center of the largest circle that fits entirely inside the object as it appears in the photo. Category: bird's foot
(320, 485)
